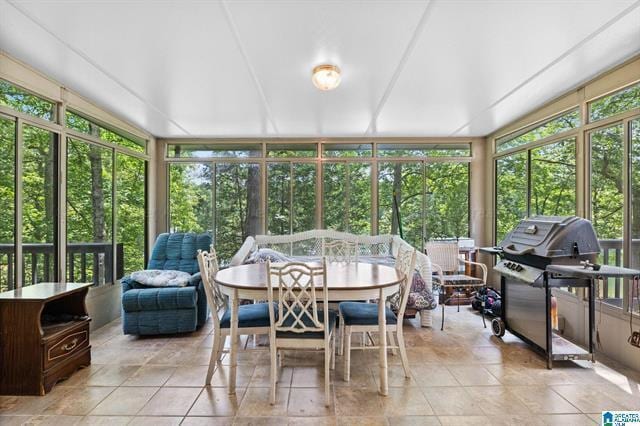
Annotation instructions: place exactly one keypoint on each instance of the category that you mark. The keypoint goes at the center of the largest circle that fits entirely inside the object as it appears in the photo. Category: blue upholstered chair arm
(195, 279)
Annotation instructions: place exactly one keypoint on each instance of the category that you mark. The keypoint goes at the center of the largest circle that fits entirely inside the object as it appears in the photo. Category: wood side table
(44, 336)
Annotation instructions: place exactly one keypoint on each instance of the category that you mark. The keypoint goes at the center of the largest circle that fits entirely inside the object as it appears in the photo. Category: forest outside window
(615, 103)
(561, 123)
(220, 150)
(423, 150)
(81, 124)
(291, 197)
(7, 201)
(25, 102)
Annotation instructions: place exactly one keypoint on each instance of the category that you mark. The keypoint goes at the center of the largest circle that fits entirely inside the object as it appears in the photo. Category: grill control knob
(519, 268)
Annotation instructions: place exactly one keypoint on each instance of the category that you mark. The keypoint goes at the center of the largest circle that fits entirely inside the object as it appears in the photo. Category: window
(84, 125)
(564, 122)
(346, 204)
(406, 181)
(511, 193)
(90, 213)
(347, 150)
(618, 102)
(447, 213)
(39, 206)
(291, 197)
(214, 151)
(7, 201)
(130, 219)
(237, 206)
(634, 160)
(424, 150)
(291, 150)
(190, 197)
(607, 202)
(553, 179)
(23, 101)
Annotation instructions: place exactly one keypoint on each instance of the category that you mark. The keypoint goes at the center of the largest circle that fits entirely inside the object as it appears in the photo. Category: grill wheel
(497, 326)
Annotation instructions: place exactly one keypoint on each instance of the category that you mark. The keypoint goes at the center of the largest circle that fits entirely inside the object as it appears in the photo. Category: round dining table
(345, 281)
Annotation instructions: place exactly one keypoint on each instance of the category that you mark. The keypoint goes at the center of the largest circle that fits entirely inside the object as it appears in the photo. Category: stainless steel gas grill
(524, 255)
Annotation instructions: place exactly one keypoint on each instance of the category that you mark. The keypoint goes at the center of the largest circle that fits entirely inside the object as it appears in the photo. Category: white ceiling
(242, 68)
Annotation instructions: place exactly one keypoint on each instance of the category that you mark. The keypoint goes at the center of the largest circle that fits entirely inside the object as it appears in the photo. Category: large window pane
(635, 199)
(85, 125)
(607, 202)
(89, 213)
(447, 213)
(130, 214)
(567, 121)
(553, 179)
(285, 150)
(291, 197)
(7, 201)
(214, 150)
(25, 102)
(190, 191)
(424, 150)
(39, 179)
(347, 150)
(621, 101)
(237, 206)
(406, 180)
(347, 197)
(511, 193)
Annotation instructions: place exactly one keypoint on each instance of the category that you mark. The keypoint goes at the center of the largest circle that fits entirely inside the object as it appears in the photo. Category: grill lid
(552, 236)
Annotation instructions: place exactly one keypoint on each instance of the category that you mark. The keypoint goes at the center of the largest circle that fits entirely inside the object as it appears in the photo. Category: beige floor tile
(476, 375)
(155, 421)
(568, 420)
(362, 421)
(487, 355)
(463, 420)
(542, 400)
(451, 401)
(512, 375)
(170, 402)
(80, 401)
(121, 356)
(589, 398)
(150, 375)
(124, 401)
(428, 375)
(17, 405)
(312, 421)
(497, 400)
(189, 376)
(413, 421)
(360, 376)
(207, 421)
(255, 403)
(396, 376)
(13, 420)
(45, 420)
(310, 402)
(80, 377)
(221, 375)
(217, 402)
(515, 419)
(262, 376)
(406, 402)
(111, 375)
(308, 377)
(260, 421)
(105, 420)
(352, 401)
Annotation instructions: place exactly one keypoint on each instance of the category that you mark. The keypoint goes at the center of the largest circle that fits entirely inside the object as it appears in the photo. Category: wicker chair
(446, 262)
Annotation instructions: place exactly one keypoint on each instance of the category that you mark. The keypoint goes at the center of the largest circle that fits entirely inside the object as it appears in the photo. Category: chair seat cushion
(458, 279)
(159, 299)
(307, 321)
(254, 315)
(357, 313)
(161, 278)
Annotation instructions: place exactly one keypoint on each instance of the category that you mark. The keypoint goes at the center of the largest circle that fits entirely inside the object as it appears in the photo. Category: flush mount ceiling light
(326, 77)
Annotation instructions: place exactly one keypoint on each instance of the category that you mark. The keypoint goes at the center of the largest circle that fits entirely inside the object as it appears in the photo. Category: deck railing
(86, 262)
(612, 254)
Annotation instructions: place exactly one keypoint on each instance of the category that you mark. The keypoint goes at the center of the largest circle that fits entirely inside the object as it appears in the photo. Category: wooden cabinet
(44, 336)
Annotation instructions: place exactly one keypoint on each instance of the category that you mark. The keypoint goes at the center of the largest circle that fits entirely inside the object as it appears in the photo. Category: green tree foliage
(511, 192)
(447, 212)
(621, 101)
(7, 201)
(564, 122)
(291, 197)
(553, 179)
(347, 197)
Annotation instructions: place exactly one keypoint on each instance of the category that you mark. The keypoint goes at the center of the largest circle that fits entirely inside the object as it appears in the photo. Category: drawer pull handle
(70, 346)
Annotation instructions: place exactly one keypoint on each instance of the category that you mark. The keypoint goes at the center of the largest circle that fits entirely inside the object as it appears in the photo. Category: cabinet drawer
(63, 347)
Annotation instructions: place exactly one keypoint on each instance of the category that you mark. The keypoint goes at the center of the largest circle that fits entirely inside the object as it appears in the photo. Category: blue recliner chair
(166, 310)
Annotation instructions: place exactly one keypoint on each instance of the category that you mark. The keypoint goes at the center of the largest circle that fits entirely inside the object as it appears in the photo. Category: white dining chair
(341, 251)
(357, 317)
(298, 323)
(252, 319)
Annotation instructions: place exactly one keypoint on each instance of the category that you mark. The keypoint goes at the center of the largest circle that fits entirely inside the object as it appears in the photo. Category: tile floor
(462, 375)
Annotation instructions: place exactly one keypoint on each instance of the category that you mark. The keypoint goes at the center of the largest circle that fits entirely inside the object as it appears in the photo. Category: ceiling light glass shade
(326, 77)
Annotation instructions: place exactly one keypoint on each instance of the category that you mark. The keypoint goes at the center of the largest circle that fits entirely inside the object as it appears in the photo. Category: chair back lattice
(208, 262)
(444, 254)
(297, 305)
(341, 251)
(406, 264)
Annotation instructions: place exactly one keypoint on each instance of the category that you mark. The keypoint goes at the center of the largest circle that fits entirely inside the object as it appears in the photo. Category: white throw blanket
(160, 278)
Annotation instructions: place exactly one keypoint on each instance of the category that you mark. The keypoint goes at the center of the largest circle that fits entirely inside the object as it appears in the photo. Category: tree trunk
(397, 193)
(97, 191)
(252, 227)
